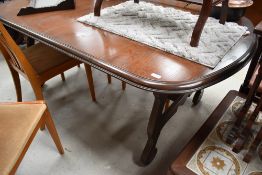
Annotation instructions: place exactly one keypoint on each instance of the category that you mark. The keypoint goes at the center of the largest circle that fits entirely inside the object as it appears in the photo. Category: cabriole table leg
(153, 129)
(157, 121)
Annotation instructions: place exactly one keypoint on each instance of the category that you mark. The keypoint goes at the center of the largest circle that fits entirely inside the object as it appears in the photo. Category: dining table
(167, 76)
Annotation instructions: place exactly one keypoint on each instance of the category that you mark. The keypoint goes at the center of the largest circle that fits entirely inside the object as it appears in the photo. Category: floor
(107, 137)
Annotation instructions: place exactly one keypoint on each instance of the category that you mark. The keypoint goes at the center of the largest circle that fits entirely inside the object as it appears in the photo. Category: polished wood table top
(127, 60)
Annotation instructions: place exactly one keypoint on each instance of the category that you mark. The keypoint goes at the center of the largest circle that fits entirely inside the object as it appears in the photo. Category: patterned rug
(214, 157)
(168, 29)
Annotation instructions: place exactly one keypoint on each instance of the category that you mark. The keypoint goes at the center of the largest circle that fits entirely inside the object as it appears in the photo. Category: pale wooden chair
(37, 64)
(19, 123)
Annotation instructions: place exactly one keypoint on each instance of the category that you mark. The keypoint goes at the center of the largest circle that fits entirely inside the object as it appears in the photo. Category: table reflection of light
(171, 69)
(81, 34)
(238, 2)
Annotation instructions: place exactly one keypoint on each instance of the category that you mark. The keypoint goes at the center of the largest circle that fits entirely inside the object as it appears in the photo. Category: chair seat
(253, 79)
(44, 58)
(17, 122)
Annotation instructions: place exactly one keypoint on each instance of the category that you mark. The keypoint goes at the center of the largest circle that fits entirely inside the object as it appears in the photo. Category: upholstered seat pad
(44, 58)
(17, 122)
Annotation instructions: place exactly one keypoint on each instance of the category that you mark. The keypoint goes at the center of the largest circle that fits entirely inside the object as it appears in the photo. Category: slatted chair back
(14, 56)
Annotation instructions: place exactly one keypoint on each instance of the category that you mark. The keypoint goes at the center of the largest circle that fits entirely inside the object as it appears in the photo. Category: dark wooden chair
(19, 123)
(253, 68)
(246, 131)
(252, 86)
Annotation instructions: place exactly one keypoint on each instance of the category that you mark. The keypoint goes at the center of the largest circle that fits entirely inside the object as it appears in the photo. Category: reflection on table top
(128, 60)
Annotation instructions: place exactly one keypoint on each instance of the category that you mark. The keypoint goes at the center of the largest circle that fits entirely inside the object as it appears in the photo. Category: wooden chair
(19, 123)
(243, 134)
(38, 63)
(252, 86)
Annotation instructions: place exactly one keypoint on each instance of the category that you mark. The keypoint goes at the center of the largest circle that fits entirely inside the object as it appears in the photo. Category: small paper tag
(246, 33)
(156, 75)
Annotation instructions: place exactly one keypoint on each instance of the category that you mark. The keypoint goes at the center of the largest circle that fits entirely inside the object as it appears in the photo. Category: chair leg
(109, 79)
(21, 156)
(39, 96)
(52, 130)
(253, 147)
(17, 83)
(90, 81)
(203, 16)
(167, 103)
(42, 127)
(123, 85)
(63, 76)
(198, 96)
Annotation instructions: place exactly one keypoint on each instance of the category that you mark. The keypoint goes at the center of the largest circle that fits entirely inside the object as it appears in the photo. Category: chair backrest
(13, 55)
(254, 64)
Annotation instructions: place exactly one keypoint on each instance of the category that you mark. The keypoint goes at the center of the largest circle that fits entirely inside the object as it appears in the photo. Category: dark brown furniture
(254, 146)
(254, 90)
(250, 77)
(204, 14)
(178, 167)
(243, 129)
(254, 13)
(128, 60)
(252, 81)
